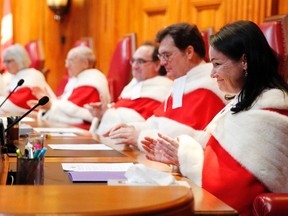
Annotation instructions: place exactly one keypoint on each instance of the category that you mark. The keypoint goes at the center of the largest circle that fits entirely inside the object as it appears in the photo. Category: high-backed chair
(271, 204)
(36, 53)
(206, 34)
(86, 41)
(275, 29)
(119, 73)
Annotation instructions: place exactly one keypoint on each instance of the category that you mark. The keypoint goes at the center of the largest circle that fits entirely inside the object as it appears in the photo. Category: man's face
(143, 67)
(75, 64)
(175, 61)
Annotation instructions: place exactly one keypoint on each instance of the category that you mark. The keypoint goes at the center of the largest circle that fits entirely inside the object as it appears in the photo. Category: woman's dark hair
(184, 34)
(246, 38)
(162, 70)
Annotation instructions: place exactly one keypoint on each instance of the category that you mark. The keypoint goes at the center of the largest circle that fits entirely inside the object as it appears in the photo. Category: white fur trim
(96, 79)
(199, 78)
(257, 139)
(94, 125)
(31, 78)
(12, 109)
(155, 88)
(68, 112)
(114, 116)
(191, 158)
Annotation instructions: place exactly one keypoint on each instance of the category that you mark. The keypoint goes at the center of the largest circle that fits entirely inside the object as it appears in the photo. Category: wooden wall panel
(254, 10)
(155, 15)
(283, 7)
(108, 20)
(205, 13)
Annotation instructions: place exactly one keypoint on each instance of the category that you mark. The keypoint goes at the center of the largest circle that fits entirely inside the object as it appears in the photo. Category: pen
(42, 152)
(36, 153)
(18, 152)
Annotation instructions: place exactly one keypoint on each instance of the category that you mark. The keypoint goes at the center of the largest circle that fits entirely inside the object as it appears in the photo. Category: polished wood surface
(96, 200)
(203, 202)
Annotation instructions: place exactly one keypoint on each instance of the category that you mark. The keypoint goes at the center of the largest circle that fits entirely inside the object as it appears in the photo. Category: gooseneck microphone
(41, 102)
(20, 82)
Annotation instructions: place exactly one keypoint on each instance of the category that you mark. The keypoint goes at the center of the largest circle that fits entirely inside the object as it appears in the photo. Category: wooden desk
(204, 202)
(96, 200)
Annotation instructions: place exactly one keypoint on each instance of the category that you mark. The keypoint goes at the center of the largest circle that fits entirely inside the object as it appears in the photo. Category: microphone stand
(10, 148)
(20, 82)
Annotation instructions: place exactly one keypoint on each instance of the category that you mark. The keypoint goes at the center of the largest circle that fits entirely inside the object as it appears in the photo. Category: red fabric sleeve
(83, 95)
(228, 180)
(21, 97)
(198, 109)
(144, 106)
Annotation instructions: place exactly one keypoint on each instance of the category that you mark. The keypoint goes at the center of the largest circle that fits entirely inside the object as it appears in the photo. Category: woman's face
(230, 74)
(11, 65)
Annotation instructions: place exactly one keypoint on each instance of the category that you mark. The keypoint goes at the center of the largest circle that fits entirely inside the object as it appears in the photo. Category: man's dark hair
(184, 35)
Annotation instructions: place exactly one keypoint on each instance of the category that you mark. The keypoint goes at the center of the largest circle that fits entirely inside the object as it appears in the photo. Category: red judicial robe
(194, 100)
(247, 153)
(137, 102)
(85, 88)
(17, 103)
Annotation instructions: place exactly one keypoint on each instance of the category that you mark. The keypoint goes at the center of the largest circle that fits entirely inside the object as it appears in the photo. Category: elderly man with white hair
(86, 85)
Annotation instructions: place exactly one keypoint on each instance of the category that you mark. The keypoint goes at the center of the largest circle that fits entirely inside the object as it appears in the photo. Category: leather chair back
(206, 34)
(36, 53)
(271, 204)
(275, 29)
(119, 73)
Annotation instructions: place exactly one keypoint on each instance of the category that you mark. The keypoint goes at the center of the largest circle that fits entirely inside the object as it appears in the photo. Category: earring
(245, 73)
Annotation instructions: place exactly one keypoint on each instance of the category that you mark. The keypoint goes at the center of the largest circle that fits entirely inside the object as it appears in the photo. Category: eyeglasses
(139, 61)
(8, 61)
(165, 56)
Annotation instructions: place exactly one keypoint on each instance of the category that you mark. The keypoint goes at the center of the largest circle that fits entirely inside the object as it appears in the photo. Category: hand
(123, 134)
(97, 109)
(32, 103)
(164, 149)
(39, 92)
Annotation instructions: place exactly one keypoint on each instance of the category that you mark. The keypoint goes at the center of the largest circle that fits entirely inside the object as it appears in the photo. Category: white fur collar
(257, 139)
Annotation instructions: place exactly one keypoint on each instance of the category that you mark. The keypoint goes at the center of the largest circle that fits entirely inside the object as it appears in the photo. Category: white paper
(28, 119)
(61, 134)
(96, 166)
(79, 147)
(59, 130)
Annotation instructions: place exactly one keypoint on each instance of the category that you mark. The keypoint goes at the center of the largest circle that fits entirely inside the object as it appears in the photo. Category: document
(107, 167)
(62, 134)
(96, 176)
(59, 130)
(79, 147)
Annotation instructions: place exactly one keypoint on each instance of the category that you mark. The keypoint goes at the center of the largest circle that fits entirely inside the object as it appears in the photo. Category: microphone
(20, 82)
(41, 102)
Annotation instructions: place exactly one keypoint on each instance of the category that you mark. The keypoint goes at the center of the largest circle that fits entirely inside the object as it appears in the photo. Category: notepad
(99, 176)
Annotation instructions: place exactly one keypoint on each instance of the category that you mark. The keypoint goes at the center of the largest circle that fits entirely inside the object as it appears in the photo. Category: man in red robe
(194, 98)
(138, 100)
(85, 86)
